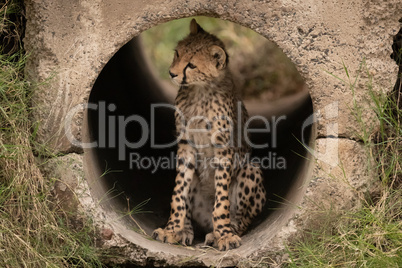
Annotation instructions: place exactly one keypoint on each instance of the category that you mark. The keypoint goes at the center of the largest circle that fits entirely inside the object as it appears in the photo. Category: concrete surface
(71, 41)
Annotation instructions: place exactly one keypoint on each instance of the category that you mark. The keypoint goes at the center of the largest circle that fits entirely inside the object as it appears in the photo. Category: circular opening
(132, 170)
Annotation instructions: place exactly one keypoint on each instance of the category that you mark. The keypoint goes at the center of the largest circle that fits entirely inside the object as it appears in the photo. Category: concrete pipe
(90, 56)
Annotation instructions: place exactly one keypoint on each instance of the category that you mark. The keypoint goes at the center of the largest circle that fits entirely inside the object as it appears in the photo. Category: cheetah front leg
(222, 236)
(178, 228)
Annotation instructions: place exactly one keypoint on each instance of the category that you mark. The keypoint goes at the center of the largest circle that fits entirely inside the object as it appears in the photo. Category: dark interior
(127, 82)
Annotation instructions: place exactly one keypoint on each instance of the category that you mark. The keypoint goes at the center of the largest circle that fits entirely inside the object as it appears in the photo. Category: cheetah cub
(214, 186)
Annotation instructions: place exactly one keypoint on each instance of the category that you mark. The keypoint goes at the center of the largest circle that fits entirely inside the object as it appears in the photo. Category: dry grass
(33, 231)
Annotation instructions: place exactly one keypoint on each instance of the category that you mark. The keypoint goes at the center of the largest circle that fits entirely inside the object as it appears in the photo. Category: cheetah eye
(176, 54)
(191, 66)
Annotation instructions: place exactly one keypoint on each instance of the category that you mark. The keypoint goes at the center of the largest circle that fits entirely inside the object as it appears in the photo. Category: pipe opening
(130, 169)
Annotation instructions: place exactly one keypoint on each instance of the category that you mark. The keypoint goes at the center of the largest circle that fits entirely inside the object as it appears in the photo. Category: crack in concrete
(339, 137)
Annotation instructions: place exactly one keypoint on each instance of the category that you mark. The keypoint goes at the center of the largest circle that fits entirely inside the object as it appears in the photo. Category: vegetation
(372, 235)
(34, 232)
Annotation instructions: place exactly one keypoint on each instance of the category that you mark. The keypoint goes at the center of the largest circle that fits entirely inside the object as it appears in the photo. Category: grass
(372, 235)
(34, 232)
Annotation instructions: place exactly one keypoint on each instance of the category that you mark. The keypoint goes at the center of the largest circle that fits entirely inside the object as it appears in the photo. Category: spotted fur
(225, 196)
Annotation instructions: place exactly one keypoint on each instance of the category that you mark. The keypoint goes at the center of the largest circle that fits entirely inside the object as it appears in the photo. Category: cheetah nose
(172, 75)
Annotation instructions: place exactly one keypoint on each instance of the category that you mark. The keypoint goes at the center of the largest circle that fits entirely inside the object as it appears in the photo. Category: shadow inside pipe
(124, 96)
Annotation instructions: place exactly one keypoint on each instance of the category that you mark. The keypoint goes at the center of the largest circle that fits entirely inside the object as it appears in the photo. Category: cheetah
(213, 188)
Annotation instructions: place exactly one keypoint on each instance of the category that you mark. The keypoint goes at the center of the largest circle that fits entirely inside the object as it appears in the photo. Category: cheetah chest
(198, 112)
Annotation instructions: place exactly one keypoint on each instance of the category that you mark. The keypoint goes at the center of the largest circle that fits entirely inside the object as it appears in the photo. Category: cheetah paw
(210, 240)
(185, 237)
(225, 242)
(228, 241)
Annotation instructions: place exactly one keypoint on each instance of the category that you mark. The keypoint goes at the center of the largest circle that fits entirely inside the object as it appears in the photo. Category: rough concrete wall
(71, 41)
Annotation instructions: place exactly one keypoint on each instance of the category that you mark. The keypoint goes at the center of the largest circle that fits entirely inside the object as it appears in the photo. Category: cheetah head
(199, 59)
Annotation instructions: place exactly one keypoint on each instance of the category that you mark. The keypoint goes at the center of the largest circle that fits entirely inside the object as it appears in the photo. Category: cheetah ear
(219, 56)
(195, 27)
